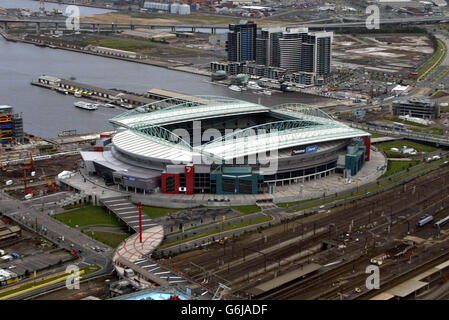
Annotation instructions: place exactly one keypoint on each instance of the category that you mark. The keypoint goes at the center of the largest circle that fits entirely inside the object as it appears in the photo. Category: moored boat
(85, 105)
(267, 92)
(235, 88)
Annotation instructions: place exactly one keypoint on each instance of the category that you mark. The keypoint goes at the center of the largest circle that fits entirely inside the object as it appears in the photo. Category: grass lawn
(437, 131)
(156, 212)
(386, 146)
(257, 220)
(110, 239)
(440, 94)
(380, 185)
(75, 206)
(87, 216)
(433, 64)
(376, 135)
(397, 166)
(163, 18)
(289, 204)
(247, 209)
(145, 47)
(418, 127)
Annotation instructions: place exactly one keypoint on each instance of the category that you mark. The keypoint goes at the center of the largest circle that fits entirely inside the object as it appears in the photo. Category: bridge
(438, 140)
(115, 26)
(112, 26)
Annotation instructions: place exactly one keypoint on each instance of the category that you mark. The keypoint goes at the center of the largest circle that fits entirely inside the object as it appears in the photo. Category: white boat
(61, 90)
(267, 92)
(78, 94)
(127, 106)
(235, 88)
(85, 105)
(254, 86)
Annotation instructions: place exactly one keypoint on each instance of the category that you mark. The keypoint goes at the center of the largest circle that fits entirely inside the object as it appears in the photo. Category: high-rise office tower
(316, 53)
(267, 46)
(241, 44)
(304, 54)
(290, 48)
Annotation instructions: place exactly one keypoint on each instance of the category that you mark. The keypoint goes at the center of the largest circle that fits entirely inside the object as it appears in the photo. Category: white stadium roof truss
(306, 125)
(177, 110)
(276, 136)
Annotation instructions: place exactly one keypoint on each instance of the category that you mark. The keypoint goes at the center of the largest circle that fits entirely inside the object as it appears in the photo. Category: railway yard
(324, 256)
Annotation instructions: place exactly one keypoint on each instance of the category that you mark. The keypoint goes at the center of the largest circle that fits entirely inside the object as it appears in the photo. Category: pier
(116, 97)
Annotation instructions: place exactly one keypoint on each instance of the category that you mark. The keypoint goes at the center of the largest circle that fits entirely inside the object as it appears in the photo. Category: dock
(116, 97)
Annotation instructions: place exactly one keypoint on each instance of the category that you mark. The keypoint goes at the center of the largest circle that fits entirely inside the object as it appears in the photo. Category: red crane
(29, 168)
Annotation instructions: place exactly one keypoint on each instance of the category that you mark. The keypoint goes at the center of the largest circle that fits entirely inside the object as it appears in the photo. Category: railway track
(230, 263)
(306, 287)
(394, 280)
(322, 290)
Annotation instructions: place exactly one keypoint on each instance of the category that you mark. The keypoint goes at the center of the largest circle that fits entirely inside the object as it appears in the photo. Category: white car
(11, 267)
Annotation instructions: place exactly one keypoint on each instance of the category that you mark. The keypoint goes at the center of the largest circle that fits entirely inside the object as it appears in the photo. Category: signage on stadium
(309, 149)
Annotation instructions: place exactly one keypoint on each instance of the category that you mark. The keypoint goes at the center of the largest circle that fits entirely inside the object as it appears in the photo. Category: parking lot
(34, 254)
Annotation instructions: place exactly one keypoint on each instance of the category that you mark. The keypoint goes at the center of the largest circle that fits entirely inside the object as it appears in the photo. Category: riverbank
(47, 113)
(34, 6)
(88, 5)
(168, 64)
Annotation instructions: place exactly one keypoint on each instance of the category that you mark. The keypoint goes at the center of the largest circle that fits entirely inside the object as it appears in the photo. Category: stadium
(218, 145)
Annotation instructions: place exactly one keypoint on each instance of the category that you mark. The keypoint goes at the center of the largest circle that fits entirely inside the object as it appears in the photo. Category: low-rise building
(7, 231)
(421, 108)
(113, 52)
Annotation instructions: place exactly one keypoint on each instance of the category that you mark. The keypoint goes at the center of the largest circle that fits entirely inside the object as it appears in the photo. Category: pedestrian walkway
(128, 212)
(135, 255)
(133, 250)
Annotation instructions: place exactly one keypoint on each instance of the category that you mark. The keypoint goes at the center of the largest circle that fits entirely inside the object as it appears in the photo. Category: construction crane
(28, 168)
(50, 184)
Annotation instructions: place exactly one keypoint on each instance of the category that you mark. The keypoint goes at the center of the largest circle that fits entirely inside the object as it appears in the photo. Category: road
(73, 238)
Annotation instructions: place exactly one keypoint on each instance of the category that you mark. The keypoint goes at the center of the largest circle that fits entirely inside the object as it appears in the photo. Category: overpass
(112, 26)
(438, 140)
(96, 26)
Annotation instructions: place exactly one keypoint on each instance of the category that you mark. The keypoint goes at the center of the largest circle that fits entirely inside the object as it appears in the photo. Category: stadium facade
(218, 145)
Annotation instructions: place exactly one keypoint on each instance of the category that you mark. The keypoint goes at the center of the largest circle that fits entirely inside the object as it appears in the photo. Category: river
(34, 6)
(47, 113)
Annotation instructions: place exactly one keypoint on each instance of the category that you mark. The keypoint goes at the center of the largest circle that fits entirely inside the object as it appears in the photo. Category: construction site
(35, 177)
(397, 54)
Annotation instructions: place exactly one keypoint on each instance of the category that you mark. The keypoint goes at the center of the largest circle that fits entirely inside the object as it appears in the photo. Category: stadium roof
(145, 137)
(183, 111)
(152, 147)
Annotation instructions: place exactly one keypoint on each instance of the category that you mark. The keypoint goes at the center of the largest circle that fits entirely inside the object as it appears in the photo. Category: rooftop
(145, 136)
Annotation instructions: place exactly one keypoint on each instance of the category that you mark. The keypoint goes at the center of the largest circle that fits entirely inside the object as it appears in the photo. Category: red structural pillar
(189, 172)
(164, 178)
(140, 220)
(368, 148)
